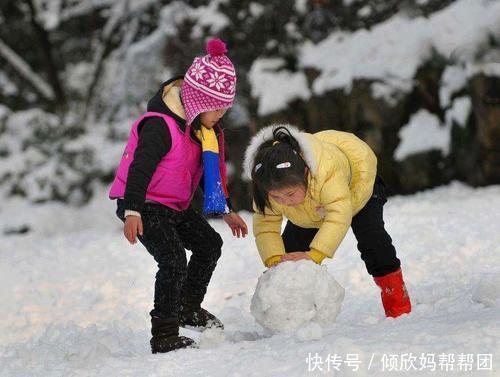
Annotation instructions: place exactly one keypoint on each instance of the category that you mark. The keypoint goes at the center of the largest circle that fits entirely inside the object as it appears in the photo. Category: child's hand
(273, 261)
(295, 256)
(236, 223)
(132, 227)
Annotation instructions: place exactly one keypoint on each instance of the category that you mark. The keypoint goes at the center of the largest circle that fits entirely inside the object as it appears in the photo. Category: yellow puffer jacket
(342, 171)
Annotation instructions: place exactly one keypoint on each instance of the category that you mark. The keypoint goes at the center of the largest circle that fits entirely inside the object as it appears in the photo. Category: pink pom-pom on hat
(215, 47)
(209, 83)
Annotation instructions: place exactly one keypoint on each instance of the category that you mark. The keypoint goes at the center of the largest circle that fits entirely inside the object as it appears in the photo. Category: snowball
(293, 294)
(310, 331)
(211, 337)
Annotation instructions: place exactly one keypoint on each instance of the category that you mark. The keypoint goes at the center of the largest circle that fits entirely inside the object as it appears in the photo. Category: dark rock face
(474, 153)
(485, 92)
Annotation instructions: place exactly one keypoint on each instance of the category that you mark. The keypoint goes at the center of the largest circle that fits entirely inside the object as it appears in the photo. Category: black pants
(167, 233)
(374, 243)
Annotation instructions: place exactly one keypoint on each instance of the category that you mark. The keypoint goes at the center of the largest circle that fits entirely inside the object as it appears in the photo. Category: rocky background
(74, 74)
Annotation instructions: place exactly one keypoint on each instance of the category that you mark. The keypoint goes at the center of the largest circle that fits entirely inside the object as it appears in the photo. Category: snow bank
(293, 294)
(62, 348)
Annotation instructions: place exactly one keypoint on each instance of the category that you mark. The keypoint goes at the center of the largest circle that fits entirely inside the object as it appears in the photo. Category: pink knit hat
(210, 82)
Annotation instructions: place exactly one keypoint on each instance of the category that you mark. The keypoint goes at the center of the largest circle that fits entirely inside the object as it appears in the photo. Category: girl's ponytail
(278, 164)
(282, 134)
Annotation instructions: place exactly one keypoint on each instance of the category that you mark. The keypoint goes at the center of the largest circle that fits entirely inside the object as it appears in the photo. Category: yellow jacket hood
(342, 170)
(267, 134)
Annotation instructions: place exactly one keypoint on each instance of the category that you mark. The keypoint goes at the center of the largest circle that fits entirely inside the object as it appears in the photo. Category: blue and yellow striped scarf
(215, 191)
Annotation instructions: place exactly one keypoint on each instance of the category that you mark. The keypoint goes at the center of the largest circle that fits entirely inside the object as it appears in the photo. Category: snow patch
(209, 17)
(274, 86)
(424, 132)
(459, 112)
(453, 79)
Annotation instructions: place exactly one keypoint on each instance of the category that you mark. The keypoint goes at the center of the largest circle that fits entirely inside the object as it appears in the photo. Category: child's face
(210, 118)
(289, 196)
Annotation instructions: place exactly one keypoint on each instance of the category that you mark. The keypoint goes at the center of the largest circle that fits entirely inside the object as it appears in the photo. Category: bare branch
(46, 48)
(24, 70)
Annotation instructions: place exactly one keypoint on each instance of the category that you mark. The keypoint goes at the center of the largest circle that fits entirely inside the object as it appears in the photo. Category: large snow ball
(295, 293)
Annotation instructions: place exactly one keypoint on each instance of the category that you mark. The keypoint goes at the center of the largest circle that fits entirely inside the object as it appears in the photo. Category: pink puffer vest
(177, 175)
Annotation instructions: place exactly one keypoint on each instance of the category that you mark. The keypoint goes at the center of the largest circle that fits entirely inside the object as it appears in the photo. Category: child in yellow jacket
(322, 183)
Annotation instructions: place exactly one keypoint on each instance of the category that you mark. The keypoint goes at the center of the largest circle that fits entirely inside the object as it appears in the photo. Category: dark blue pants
(374, 243)
(167, 233)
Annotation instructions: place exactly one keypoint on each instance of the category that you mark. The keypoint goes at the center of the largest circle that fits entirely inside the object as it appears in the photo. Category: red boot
(394, 294)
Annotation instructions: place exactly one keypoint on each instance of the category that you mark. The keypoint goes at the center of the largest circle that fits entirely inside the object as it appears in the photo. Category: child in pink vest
(170, 148)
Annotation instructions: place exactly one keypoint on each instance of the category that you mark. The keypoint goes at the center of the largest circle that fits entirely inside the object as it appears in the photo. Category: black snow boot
(192, 315)
(166, 336)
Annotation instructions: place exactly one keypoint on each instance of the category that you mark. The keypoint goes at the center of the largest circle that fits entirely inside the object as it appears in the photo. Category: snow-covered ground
(75, 298)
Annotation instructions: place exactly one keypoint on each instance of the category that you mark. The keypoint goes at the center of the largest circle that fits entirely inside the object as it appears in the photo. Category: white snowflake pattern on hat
(198, 70)
(217, 80)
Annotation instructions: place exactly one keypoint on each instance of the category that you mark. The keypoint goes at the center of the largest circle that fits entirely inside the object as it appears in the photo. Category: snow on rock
(459, 112)
(390, 54)
(422, 133)
(453, 79)
(275, 86)
(394, 49)
(294, 294)
(485, 67)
